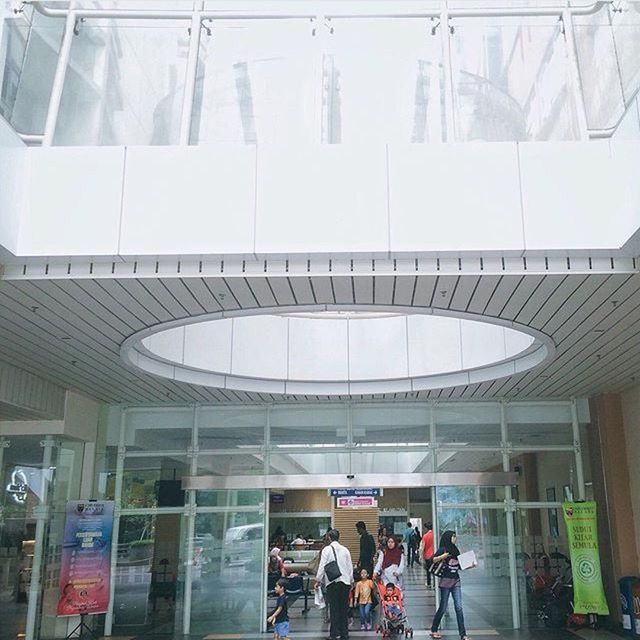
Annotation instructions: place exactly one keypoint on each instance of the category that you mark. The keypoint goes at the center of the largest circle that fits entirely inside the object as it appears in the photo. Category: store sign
(582, 531)
(355, 492)
(18, 487)
(85, 572)
(355, 501)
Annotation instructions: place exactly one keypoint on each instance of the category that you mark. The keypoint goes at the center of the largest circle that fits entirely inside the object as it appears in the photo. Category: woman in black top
(449, 583)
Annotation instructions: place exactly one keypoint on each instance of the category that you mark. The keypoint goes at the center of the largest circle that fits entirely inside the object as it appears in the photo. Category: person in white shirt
(338, 589)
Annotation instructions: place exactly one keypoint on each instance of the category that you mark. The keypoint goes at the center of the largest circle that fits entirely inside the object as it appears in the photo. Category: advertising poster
(86, 558)
(582, 531)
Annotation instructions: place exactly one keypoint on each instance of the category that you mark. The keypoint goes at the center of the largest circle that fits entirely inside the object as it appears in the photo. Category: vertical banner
(86, 558)
(582, 531)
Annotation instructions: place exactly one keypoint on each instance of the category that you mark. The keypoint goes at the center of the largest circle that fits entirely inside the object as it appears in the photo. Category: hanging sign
(582, 531)
(85, 570)
(355, 501)
(355, 492)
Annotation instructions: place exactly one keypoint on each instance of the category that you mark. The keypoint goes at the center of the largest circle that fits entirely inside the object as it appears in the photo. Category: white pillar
(108, 619)
(42, 518)
(510, 510)
(190, 512)
(578, 450)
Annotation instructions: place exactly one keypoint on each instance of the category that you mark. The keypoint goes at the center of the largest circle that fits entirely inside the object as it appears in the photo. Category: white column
(577, 446)
(108, 619)
(42, 518)
(510, 509)
(190, 512)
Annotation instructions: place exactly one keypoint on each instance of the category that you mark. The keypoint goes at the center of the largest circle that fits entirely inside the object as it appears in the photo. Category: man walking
(367, 548)
(337, 589)
(426, 551)
(407, 539)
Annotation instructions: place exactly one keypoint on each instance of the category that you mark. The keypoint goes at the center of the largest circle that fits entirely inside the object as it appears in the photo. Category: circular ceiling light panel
(337, 350)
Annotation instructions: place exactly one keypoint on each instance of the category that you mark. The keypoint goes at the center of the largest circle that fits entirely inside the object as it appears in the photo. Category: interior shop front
(203, 494)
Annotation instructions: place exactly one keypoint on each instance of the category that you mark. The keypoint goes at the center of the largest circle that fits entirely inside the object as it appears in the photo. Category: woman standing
(449, 583)
(390, 564)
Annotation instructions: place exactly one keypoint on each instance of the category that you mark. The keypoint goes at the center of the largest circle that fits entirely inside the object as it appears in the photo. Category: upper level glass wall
(316, 76)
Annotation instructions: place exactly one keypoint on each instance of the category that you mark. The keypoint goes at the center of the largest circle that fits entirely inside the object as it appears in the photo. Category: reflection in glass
(124, 84)
(468, 425)
(227, 564)
(486, 588)
(394, 425)
(29, 60)
(511, 81)
(148, 576)
(541, 558)
(154, 482)
(308, 426)
(256, 84)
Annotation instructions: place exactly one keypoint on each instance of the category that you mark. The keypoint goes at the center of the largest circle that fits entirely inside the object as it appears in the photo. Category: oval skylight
(336, 350)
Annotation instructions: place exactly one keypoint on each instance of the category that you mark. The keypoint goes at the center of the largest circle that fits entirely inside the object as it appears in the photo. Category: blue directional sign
(341, 493)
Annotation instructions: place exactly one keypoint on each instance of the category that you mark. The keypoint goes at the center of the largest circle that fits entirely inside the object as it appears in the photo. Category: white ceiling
(70, 330)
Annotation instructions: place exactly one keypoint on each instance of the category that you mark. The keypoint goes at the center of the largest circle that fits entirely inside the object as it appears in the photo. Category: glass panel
(626, 33)
(511, 81)
(224, 498)
(20, 489)
(154, 482)
(543, 556)
(309, 463)
(149, 575)
(533, 424)
(381, 81)
(542, 471)
(231, 465)
(468, 425)
(460, 495)
(256, 83)
(230, 428)
(228, 559)
(30, 57)
(486, 589)
(67, 459)
(124, 84)
(159, 430)
(469, 460)
(391, 462)
(309, 426)
(599, 71)
(390, 424)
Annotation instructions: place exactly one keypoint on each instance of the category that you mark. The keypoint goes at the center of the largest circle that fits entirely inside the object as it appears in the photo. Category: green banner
(582, 531)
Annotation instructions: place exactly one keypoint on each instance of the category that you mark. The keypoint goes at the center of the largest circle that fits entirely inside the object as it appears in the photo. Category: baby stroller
(393, 621)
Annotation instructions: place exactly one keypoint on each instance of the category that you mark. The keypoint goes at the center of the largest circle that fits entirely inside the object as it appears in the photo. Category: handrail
(212, 14)
(607, 132)
(30, 138)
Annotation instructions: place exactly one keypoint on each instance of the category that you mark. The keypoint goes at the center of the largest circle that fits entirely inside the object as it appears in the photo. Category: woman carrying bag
(447, 568)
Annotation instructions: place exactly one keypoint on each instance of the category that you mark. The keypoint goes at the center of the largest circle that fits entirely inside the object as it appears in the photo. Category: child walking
(280, 617)
(364, 599)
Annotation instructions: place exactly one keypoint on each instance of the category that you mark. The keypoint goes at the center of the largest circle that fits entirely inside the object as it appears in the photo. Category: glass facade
(222, 531)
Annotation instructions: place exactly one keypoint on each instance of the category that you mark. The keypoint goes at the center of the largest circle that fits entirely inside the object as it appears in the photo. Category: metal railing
(198, 16)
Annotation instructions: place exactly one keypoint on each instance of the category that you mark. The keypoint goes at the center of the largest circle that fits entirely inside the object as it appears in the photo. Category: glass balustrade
(399, 77)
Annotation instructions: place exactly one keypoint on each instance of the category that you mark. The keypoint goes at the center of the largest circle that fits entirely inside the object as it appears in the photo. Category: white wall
(325, 199)
(12, 157)
(631, 418)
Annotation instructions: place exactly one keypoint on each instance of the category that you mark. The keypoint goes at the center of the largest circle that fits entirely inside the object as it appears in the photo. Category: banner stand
(81, 628)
